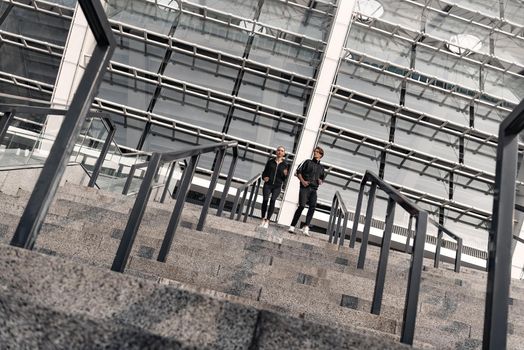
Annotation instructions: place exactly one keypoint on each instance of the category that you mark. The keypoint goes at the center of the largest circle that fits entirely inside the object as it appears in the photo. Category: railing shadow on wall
(137, 212)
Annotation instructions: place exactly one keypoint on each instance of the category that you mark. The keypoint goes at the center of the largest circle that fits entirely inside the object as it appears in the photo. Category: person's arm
(302, 181)
(322, 177)
(265, 173)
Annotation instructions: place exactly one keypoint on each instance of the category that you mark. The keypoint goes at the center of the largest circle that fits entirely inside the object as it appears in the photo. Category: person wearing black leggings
(274, 174)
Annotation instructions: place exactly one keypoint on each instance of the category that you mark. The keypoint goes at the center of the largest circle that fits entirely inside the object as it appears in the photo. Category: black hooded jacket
(275, 172)
(311, 171)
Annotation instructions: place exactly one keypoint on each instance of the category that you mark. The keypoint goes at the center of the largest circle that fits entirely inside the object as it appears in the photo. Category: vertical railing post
(185, 184)
(344, 226)
(408, 238)
(383, 260)
(135, 218)
(129, 179)
(242, 203)
(500, 235)
(367, 226)
(227, 185)
(339, 223)
(356, 218)
(415, 273)
(331, 221)
(458, 256)
(437, 248)
(4, 124)
(168, 181)
(211, 189)
(250, 201)
(259, 181)
(235, 205)
(103, 153)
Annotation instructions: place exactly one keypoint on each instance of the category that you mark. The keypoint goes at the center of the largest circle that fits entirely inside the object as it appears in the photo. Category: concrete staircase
(231, 286)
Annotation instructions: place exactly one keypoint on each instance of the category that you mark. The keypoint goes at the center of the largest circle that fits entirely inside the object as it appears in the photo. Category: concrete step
(190, 317)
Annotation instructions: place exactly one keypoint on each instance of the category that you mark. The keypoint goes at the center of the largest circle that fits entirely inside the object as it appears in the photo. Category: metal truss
(406, 74)
(211, 55)
(407, 154)
(438, 45)
(44, 7)
(31, 44)
(414, 116)
(494, 24)
(209, 95)
(185, 128)
(483, 217)
(27, 83)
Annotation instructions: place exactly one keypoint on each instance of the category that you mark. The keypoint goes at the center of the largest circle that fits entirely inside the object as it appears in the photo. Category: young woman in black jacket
(274, 174)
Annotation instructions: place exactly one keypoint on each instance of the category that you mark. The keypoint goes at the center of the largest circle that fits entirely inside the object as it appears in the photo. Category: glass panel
(349, 155)
(480, 155)
(358, 118)
(368, 81)
(263, 130)
(415, 175)
(295, 19)
(201, 72)
(506, 86)
(488, 119)
(142, 14)
(420, 137)
(468, 191)
(433, 102)
(138, 54)
(447, 67)
(217, 36)
(242, 8)
(402, 13)
(514, 11)
(270, 92)
(193, 110)
(379, 45)
(286, 56)
(29, 64)
(126, 91)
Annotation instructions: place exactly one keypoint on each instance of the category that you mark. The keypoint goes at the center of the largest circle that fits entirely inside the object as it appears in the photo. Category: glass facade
(420, 89)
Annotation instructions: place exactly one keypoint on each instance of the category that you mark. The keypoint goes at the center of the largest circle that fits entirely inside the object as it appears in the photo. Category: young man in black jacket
(311, 175)
(274, 174)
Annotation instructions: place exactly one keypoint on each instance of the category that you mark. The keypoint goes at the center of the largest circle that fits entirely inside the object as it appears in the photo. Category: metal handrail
(458, 255)
(45, 188)
(415, 270)
(501, 231)
(238, 205)
(339, 214)
(137, 212)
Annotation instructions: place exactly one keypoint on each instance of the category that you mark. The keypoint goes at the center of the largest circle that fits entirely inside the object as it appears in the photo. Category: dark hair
(320, 150)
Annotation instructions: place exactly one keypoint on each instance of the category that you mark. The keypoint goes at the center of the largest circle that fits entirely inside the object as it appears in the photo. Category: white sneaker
(305, 230)
(291, 229)
(265, 224)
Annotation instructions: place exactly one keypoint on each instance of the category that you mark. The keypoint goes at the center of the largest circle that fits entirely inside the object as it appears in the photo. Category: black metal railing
(338, 220)
(58, 158)
(240, 204)
(415, 270)
(501, 232)
(137, 212)
(458, 254)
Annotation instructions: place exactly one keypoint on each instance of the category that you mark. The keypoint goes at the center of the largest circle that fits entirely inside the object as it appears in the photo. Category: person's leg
(266, 192)
(274, 195)
(312, 203)
(302, 200)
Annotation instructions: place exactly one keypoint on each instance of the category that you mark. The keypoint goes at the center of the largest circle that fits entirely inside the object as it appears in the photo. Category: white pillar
(318, 103)
(77, 52)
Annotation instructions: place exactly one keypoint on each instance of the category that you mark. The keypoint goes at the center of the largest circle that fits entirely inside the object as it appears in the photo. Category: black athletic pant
(307, 195)
(269, 191)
